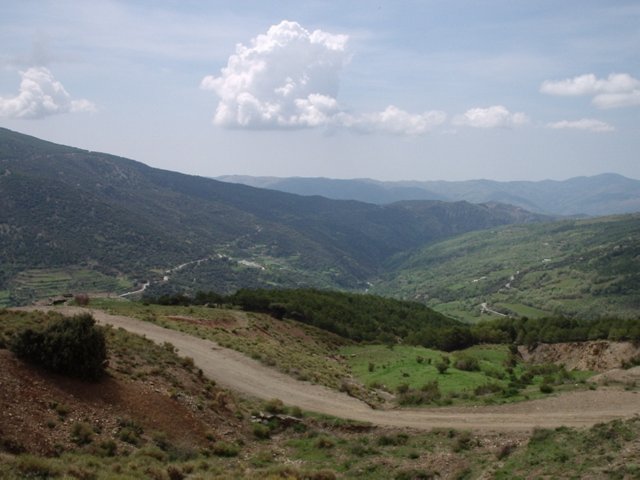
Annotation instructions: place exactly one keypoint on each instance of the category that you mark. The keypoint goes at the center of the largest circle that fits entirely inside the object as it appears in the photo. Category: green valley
(588, 268)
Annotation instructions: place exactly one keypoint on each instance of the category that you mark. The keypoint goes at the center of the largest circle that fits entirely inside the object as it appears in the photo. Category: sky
(391, 90)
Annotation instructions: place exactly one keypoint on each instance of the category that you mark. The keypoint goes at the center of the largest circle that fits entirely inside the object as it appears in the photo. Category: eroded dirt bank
(597, 356)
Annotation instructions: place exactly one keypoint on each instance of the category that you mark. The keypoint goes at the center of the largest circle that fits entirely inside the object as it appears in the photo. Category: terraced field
(35, 284)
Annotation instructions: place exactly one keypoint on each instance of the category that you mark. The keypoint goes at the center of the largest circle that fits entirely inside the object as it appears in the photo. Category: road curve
(240, 373)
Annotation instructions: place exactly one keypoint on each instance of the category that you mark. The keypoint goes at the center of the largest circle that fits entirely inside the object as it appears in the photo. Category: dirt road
(242, 374)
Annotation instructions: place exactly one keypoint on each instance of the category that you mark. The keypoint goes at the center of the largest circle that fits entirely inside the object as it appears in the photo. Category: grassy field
(587, 268)
(480, 374)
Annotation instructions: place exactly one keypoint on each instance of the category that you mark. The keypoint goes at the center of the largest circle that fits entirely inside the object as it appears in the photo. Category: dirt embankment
(597, 356)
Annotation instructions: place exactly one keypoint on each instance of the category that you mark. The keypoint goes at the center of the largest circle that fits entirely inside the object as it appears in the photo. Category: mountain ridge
(603, 194)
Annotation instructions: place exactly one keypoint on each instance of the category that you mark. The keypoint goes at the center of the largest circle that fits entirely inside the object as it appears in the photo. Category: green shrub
(413, 474)
(261, 431)
(393, 440)
(174, 473)
(320, 475)
(546, 388)
(540, 435)
(402, 388)
(506, 450)
(187, 362)
(295, 411)
(429, 393)
(81, 433)
(464, 442)
(225, 449)
(36, 467)
(442, 367)
(130, 432)
(128, 435)
(61, 409)
(72, 346)
(275, 406)
(432, 388)
(466, 363)
(324, 442)
(108, 448)
(487, 389)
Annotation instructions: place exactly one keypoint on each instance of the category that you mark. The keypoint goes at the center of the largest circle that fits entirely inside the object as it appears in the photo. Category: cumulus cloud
(490, 117)
(617, 90)
(289, 78)
(40, 95)
(590, 124)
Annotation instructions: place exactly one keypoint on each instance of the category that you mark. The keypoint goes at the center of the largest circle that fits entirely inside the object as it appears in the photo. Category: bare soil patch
(597, 356)
(629, 377)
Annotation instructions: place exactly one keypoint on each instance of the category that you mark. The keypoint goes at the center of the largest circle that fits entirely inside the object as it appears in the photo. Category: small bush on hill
(466, 363)
(261, 431)
(72, 346)
(81, 299)
(487, 389)
(225, 449)
(546, 388)
(81, 433)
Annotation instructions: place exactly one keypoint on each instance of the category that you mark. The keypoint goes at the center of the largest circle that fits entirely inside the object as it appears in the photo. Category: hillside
(157, 415)
(604, 194)
(107, 221)
(589, 268)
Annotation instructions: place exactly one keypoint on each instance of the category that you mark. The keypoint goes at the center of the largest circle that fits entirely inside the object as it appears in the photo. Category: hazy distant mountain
(598, 195)
(363, 190)
(65, 208)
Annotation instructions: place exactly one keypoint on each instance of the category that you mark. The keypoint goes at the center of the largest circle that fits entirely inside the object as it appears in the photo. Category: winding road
(240, 373)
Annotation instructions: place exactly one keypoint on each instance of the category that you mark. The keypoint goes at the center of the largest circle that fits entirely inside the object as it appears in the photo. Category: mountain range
(68, 211)
(597, 195)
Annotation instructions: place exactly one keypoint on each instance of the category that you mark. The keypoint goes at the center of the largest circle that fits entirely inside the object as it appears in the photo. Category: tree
(443, 365)
(72, 346)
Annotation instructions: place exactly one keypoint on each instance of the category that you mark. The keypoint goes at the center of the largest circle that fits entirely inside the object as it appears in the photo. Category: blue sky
(424, 90)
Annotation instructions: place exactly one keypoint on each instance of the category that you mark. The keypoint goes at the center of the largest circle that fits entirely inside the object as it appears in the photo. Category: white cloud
(617, 90)
(491, 117)
(40, 95)
(395, 121)
(617, 100)
(289, 78)
(583, 124)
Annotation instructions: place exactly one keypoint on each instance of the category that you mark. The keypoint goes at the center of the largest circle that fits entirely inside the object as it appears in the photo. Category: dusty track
(242, 374)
